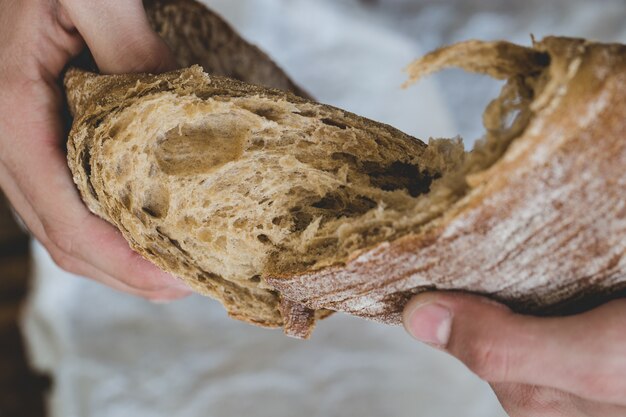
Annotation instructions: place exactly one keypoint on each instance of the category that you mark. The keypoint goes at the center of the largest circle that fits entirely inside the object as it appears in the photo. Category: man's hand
(37, 39)
(538, 367)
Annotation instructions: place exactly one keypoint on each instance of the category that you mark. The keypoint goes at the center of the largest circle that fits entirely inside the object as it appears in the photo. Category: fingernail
(430, 323)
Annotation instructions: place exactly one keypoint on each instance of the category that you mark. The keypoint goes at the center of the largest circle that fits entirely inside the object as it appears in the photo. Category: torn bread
(285, 209)
(540, 227)
(211, 178)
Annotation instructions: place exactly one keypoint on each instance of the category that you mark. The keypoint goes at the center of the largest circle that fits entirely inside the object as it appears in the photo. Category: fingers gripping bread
(285, 209)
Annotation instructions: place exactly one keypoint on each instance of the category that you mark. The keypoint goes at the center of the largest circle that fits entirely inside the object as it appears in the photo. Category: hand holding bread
(37, 40)
(537, 366)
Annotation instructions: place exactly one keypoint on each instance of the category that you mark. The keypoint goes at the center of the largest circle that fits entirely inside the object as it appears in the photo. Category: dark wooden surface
(21, 389)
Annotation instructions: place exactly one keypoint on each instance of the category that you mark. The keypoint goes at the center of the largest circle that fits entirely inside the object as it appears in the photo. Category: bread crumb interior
(260, 186)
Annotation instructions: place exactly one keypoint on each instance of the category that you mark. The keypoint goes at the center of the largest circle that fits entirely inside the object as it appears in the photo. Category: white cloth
(113, 355)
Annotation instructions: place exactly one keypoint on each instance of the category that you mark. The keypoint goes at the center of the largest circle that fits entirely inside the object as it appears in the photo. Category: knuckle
(527, 401)
(487, 360)
(62, 240)
(62, 260)
(522, 400)
(149, 54)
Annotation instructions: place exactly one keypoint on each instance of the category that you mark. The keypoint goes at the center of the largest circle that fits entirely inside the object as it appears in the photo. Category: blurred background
(95, 352)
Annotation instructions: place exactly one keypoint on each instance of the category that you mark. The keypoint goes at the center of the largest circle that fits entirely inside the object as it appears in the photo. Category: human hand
(538, 367)
(37, 40)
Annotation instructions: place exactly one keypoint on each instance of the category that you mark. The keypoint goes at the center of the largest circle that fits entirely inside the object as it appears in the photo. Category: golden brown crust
(299, 320)
(500, 60)
(198, 36)
(542, 230)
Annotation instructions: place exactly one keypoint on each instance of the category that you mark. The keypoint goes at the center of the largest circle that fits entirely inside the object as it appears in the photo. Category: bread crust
(543, 230)
(199, 36)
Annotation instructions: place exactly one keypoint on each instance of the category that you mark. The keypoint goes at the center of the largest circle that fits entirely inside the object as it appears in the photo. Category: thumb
(119, 36)
(581, 354)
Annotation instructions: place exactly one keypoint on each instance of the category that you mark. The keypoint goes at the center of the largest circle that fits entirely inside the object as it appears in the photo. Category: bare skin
(37, 40)
(538, 367)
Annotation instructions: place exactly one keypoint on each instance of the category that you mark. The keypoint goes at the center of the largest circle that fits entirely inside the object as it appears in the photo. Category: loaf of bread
(286, 210)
